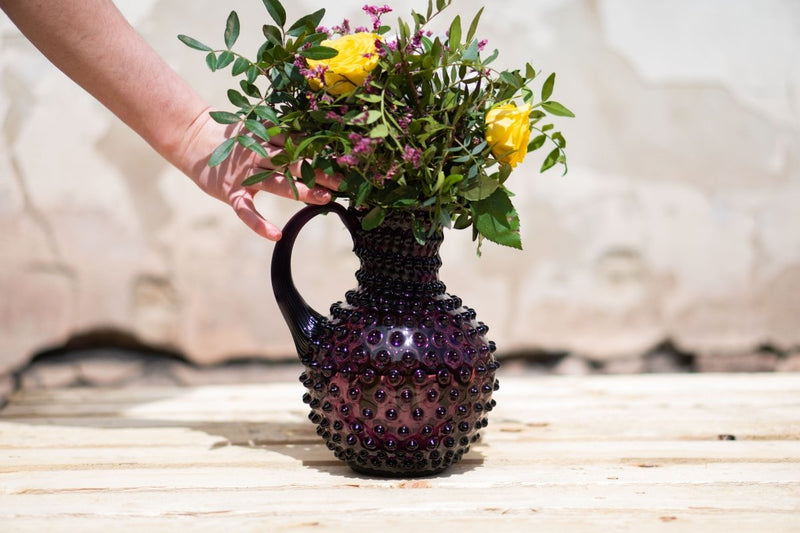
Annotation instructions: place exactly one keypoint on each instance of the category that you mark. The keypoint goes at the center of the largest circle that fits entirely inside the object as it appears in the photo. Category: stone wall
(677, 225)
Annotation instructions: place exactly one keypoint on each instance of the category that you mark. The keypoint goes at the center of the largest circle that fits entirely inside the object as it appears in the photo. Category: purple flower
(362, 144)
(375, 13)
(347, 160)
(343, 29)
(482, 44)
(412, 155)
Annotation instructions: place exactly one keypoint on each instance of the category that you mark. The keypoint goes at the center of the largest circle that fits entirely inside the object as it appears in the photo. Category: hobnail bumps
(400, 377)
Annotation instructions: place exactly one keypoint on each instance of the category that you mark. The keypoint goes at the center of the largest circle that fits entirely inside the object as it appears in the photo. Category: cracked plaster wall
(678, 220)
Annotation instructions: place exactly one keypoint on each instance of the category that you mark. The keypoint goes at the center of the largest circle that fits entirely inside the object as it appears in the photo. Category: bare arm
(92, 43)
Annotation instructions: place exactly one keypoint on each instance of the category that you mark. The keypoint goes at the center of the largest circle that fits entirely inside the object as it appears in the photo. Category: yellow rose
(508, 130)
(356, 59)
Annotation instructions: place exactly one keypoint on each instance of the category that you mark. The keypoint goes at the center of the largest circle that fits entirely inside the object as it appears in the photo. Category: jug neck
(393, 261)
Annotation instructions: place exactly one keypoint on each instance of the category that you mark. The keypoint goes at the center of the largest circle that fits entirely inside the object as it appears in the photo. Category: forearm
(92, 43)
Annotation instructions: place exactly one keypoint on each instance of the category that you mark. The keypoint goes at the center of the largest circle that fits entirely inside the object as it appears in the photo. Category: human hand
(224, 180)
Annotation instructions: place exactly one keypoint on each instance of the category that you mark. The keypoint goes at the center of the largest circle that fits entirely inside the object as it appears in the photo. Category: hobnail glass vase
(400, 375)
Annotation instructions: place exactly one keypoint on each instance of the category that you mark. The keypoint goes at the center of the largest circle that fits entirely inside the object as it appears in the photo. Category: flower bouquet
(414, 121)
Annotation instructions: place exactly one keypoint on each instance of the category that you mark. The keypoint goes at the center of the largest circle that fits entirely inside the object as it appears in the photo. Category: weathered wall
(678, 221)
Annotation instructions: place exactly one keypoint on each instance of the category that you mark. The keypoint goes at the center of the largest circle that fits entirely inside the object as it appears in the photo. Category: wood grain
(622, 453)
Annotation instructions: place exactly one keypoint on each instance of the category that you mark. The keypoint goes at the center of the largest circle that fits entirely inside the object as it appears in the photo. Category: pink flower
(412, 155)
(347, 160)
(375, 14)
(362, 144)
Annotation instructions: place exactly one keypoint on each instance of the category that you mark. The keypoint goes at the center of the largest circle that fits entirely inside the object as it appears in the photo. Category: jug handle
(299, 316)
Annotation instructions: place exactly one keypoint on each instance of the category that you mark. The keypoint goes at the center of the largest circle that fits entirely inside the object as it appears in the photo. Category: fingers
(329, 182)
(280, 186)
(245, 209)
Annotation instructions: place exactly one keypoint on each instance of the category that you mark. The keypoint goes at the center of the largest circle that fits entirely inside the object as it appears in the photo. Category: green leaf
(240, 66)
(555, 108)
(481, 190)
(252, 145)
(273, 34)
(266, 113)
(547, 88)
(471, 53)
(222, 152)
(418, 230)
(250, 90)
(224, 117)
(373, 219)
(530, 72)
(551, 159)
(257, 178)
(257, 128)
(237, 99)
(319, 52)
(369, 98)
(225, 58)
(379, 131)
(496, 219)
(492, 57)
(193, 43)
(509, 78)
(211, 61)
(454, 35)
(463, 221)
(231, 29)
(307, 23)
(280, 160)
(473, 27)
(537, 142)
(276, 11)
(307, 174)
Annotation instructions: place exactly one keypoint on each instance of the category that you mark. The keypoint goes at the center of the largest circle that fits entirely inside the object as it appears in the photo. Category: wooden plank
(572, 454)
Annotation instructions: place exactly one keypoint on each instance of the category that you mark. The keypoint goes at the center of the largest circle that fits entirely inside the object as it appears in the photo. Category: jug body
(400, 375)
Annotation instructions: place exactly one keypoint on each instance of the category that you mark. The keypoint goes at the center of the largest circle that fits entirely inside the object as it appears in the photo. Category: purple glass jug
(400, 376)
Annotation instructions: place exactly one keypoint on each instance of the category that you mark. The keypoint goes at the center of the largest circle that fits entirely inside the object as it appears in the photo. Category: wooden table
(608, 453)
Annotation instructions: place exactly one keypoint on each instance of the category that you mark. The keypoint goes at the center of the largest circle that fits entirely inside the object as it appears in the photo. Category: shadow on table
(112, 410)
